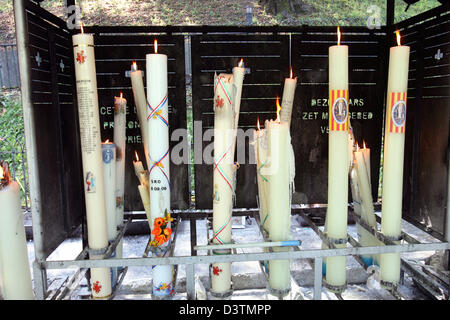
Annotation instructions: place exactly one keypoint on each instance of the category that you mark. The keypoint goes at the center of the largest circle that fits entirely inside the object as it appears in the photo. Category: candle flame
(81, 26)
(338, 36)
(278, 109)
(136, 155)
(357, 146)
(134, 66)
(291, 73)
(257, 124)
(155, 44)
(107, 141)
(121, 95)
(364, 144)
(241, 63)
(1, 173)
(397, 33)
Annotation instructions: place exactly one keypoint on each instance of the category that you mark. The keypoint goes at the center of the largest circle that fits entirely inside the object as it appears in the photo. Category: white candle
(120, 110)
(279, 219)
(236, 93)
(366, 154)
(109, 173)
(260, 145)
(141, 106)
(287, 100)
(222, 176)
(394, 144)
(337, 160)
(89, 119)
(143, 187)
(15, 276)
(159, 170)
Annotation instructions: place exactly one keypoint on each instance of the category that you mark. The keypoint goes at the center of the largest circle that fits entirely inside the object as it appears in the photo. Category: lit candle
(91, 153)
(137, 84)
(394, 145)
(337, 160)
(288, 98)
(143, 186)
(260, 147)
(159, 170)
(223, 176)
(279, 219)
(120, 109)
(15, 277)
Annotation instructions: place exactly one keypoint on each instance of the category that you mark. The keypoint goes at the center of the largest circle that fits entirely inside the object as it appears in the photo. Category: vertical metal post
(190, 281)
(30, 142)
(317, 278)
(249, 16)
(390, 15)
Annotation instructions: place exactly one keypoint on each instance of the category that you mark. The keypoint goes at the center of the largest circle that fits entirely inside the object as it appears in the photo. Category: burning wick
(278, 109)
(134, 66)
(398, 37)
(155, 44)
(291, 74)
(339, 36)
(241, 63)
(257, 124)
(136, 155)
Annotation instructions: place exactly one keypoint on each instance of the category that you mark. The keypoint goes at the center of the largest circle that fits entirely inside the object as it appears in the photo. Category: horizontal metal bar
(289, 243)
(292, 255)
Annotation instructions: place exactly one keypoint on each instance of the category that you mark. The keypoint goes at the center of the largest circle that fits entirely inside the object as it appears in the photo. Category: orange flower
(167, 232)
(157, 231)
(159, 222)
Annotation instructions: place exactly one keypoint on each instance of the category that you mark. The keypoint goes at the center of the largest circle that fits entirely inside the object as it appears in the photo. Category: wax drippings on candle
(397, 33)
(155, 44)
(339, 36)
(278, 109)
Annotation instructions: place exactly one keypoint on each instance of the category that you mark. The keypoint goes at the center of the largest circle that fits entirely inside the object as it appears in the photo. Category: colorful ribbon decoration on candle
(216, 234)
(220, 82)
(219, 168)
(338, 112)
(160, 166)
(156, 112)
(396, 119)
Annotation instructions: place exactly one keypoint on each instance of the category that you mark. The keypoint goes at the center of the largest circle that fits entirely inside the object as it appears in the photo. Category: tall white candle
(15, 276)
(142, 110)
(89, 119)
(109, 173)
(279, 220)
(287, 100)
(236, 93)
(159, 171)
(260, 145)
(394, 145)
(337, 159)
(222, 176)
(120, 110)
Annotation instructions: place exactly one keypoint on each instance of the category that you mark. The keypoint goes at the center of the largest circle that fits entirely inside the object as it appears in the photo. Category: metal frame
(313, 256)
